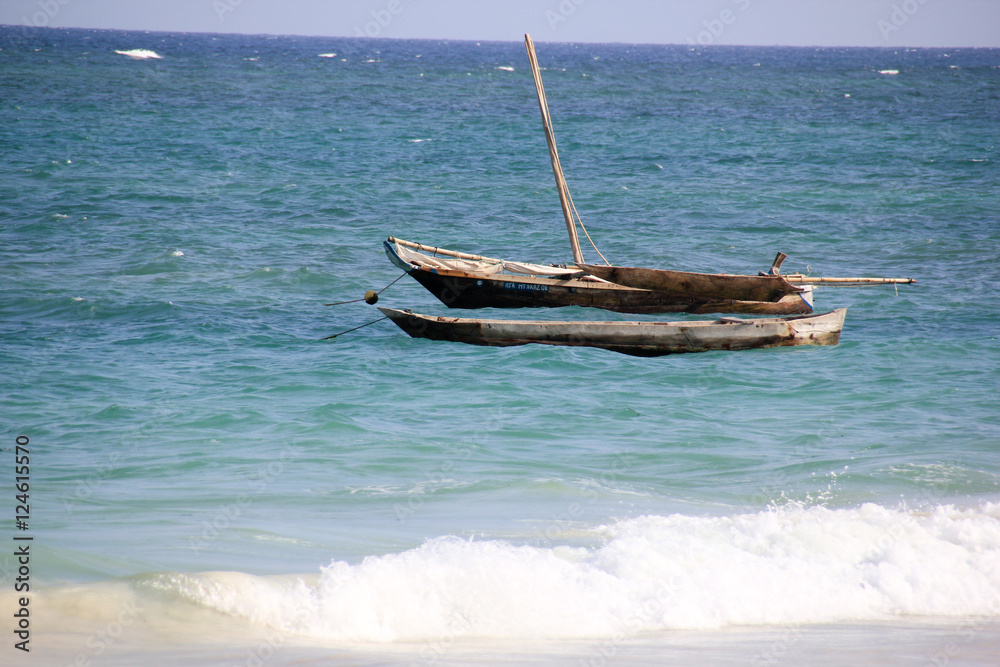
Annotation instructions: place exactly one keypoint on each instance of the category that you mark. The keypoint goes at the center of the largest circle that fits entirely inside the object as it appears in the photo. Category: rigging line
(355, 328)
(585, 232)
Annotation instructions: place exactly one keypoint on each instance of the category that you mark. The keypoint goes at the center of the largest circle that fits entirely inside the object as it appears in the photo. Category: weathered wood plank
(699, 285)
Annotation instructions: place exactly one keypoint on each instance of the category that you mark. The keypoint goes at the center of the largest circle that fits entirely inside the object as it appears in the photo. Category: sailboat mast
(550, 138)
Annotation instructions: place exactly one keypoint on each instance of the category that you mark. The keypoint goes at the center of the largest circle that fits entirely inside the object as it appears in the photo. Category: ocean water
(212, 483)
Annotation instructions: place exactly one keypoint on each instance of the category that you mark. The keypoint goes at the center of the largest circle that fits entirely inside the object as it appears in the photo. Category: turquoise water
(172, 226)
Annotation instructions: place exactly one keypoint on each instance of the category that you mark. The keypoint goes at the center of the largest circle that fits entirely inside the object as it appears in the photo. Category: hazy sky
(946, 23)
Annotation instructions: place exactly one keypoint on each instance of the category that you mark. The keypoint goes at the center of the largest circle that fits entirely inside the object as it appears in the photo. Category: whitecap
(328, 55)
(140, 54)
(890, 72)
(505, 68)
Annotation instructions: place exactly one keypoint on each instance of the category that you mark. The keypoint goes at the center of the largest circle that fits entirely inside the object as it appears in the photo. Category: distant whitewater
(140, 54)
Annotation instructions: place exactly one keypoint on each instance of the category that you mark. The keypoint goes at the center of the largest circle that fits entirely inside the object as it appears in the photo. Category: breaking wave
(782, 566)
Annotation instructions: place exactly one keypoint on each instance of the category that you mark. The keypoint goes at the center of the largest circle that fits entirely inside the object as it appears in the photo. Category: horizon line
(27, 27)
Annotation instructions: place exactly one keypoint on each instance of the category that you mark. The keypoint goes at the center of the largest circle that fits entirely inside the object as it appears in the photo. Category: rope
(366, 297)
(355, 328)
(585, 232)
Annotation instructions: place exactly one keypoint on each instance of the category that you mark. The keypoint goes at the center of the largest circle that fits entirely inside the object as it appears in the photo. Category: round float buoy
(371, 296)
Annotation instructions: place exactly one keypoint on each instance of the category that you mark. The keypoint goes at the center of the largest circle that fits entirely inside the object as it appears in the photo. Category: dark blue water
(173, 225)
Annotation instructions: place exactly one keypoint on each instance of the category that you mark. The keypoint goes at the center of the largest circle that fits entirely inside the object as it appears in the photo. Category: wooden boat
(462, 280)
(643, 339)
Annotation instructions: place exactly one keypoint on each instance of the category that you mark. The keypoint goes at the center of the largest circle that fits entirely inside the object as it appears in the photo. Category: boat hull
(459, 289)
(645, 339)
(717, 286)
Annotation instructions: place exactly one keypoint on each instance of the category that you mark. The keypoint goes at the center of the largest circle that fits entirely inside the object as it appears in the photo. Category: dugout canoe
(643, 339)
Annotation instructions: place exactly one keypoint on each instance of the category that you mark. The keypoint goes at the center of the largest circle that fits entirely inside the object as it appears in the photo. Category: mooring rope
(371, 296)
(355, 328)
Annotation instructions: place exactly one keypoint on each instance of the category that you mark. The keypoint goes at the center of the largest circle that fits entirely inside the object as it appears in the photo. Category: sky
(890, 23)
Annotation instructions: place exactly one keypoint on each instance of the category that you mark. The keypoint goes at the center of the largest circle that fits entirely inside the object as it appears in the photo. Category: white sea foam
(889, 71)
(416, 489)
(328, 55)
(505, 68)
(140, 54)
(784, 566)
